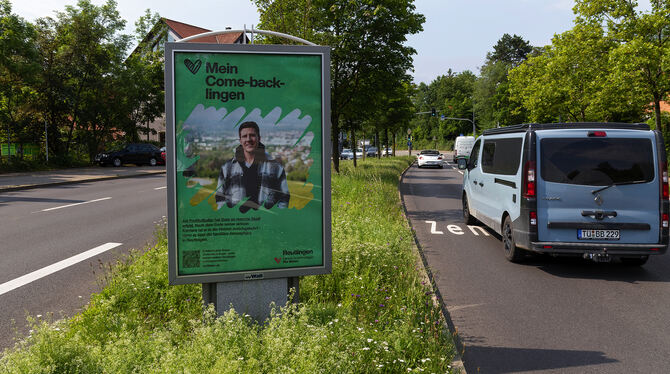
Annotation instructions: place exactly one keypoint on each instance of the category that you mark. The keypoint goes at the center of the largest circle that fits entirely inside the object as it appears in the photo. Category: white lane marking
(160, 188)
(69, 205)
(433, 227)
(60, 265)
(459, 307)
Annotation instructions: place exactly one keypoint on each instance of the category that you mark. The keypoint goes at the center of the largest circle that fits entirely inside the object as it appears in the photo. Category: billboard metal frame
(170, 99)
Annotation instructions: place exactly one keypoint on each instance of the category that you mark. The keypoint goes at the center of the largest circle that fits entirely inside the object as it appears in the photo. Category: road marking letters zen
(457, 230)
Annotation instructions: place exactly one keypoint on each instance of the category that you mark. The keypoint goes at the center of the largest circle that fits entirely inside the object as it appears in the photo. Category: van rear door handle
(481, 184)
(598, 214)
(474, 182)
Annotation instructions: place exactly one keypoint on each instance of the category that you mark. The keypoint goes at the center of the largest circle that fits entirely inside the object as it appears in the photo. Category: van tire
(634, 261)
(512, 252)
(467, 217)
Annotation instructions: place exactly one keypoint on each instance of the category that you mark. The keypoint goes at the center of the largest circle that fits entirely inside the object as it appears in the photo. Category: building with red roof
(167, 30)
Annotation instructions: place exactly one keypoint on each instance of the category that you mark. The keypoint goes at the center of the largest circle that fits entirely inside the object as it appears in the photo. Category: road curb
(95, 179)
(427, 274)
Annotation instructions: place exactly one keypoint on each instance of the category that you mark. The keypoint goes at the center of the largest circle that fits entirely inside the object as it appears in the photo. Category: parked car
(137, 153)
(346, 154)
(387, 152)
(594, 190)
(163, 153)
(350, 154)
(430, 157)
(371, 152)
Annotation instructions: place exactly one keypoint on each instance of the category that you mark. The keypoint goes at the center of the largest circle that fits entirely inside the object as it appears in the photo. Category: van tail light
(664, 181)
(665, 220)
(598, 134)
(529, 179)
(533, 218)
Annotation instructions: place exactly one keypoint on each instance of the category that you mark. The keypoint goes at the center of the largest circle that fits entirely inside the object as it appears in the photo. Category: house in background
(167, 30)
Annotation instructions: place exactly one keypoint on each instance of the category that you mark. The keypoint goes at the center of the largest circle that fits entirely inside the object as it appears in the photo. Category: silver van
(597, 190)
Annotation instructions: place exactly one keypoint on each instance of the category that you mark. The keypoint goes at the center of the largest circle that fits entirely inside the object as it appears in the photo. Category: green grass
(373, 314)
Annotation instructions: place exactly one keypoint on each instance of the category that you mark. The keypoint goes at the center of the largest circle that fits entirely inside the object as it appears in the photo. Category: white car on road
(430, 157)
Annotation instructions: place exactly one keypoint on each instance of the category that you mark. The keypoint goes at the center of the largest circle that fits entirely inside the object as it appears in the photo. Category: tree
(572, 80)
(511, 50)
(452, 96)
(492, 97)
(640, 56)
(143, 87)
(367, 37)
(86, 49)
(17, 68)
(292, 17)
(50, 85)
(395, 111)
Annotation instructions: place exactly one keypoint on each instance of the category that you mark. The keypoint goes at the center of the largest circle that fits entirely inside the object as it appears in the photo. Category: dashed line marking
(48, 270)
(75, 204)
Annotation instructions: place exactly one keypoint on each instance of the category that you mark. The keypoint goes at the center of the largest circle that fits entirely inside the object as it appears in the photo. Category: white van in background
(463, 147)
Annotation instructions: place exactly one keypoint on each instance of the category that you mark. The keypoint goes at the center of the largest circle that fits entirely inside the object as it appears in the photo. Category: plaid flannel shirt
(273, 187)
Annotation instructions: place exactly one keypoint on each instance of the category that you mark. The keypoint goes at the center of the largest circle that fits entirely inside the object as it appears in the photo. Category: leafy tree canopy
(510, 49)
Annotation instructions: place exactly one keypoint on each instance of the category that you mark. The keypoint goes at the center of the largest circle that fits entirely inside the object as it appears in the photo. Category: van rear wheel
(467, 217)
(512, 252)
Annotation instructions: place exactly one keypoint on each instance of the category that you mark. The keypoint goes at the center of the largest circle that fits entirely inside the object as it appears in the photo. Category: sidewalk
(28, 180)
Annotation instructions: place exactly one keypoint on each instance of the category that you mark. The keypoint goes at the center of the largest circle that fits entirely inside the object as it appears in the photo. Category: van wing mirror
(462, 163)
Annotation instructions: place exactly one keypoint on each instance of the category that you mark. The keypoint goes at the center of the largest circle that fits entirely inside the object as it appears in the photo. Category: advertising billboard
(248, 161)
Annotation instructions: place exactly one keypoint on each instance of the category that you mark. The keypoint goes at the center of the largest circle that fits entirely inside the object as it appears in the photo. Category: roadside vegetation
(374, 313)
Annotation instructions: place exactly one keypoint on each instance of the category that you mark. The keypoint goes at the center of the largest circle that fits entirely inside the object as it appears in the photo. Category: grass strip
(372, 314)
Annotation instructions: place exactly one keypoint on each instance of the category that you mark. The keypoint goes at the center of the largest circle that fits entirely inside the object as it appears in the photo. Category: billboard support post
(246, 248)
(250, 298)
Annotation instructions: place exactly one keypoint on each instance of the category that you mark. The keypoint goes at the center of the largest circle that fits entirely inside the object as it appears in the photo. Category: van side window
(501, 156)
(487, 155)
(474, 155)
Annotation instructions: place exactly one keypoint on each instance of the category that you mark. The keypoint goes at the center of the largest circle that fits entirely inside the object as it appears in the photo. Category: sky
(457, 34)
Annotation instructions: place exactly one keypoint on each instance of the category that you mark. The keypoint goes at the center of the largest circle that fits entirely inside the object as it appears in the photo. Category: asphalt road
(54, 239)
(545, 315)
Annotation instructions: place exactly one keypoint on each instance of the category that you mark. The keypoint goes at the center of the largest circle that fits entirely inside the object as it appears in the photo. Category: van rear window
(597, 161)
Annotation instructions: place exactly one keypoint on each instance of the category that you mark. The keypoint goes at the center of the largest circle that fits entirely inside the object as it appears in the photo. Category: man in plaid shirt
(252, 175)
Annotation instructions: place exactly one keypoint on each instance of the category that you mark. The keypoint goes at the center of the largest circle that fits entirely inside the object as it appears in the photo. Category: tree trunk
(69, 135)
(9, 142)
(657, 114)
(386, 135)
(335, 136)
(379, 149)
(353, 141)
(364, 151)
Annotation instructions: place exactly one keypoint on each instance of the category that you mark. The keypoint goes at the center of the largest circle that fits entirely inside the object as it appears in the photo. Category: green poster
(247, 185)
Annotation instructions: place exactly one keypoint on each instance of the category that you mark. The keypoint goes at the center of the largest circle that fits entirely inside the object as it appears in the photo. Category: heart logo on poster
(193, 67)
(278, 260)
